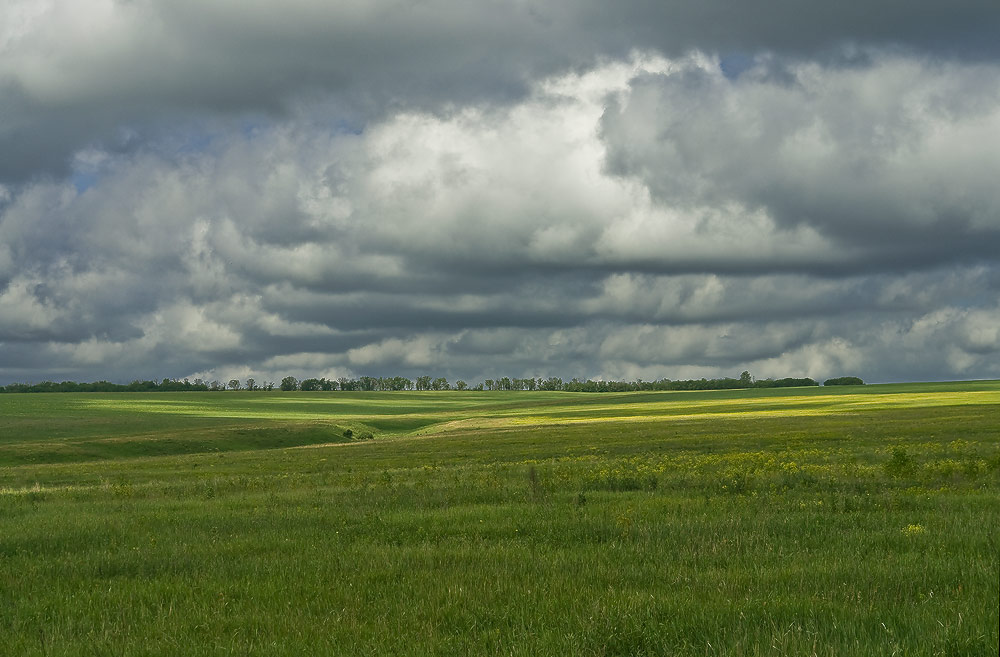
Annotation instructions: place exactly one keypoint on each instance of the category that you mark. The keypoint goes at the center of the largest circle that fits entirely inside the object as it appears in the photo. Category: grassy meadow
(811, 521)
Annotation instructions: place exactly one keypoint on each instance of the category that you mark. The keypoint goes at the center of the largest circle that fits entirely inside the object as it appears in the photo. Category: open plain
(812, 521)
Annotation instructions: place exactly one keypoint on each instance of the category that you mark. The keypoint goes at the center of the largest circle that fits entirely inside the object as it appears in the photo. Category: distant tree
(310, 385)
(790, 383)
(398, 383)
(844, 381)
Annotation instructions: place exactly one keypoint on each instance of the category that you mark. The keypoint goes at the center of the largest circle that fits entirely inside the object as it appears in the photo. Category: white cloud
(23, 313)
(642, 217)
(852, 156)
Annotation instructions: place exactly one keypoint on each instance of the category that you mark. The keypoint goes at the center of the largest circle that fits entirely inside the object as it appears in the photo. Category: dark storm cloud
(77, 73)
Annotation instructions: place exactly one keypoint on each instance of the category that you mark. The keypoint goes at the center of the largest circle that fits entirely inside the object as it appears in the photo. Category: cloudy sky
(641, 188)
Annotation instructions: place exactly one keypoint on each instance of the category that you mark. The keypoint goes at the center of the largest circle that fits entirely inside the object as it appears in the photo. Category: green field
(812, 521)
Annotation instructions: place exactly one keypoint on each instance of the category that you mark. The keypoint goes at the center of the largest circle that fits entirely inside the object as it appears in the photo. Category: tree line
(400, 383)
(370, 383)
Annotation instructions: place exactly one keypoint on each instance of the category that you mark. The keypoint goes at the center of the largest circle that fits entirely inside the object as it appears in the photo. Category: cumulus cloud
(890, 163)
(78, 72)
(598, 212)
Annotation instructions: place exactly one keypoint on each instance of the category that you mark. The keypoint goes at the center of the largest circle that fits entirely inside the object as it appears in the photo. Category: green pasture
(812, 521)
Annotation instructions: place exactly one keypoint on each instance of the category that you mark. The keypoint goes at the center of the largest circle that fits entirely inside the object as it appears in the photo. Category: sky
(220, 189)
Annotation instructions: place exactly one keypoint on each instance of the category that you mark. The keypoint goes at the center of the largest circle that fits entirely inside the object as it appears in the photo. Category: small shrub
(972, 468)
(736, 482)
(348, 434)
(900, 464)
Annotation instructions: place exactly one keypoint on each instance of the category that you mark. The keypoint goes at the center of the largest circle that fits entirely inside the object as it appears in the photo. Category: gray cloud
(892, 162)
(78, 73)
(366, 190)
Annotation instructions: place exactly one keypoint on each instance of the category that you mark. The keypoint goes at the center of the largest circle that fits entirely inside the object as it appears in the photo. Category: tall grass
(860, 531)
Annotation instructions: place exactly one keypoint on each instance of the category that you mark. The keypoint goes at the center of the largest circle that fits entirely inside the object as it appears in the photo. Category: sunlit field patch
(808, 521)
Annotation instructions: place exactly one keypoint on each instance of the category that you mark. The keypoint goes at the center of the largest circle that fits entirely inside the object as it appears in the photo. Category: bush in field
(349, 434)
(844, 381)
(900, 464)
(735, 481)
